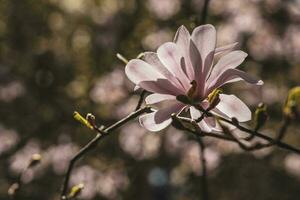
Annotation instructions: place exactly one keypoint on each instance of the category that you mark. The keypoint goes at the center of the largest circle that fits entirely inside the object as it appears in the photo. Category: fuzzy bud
(260, 116)
(76, 190)
(35, 160)
(12, 190)
(122, 58)
(82, 120)
(292, 104)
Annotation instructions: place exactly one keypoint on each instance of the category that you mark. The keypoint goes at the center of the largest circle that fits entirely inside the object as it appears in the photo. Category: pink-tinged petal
(153, 60)
(231, 106)
(170, 56)
(197, 66)
(205, 39)
(138, 71)
(156, 98)
(229, 76)
(148, 122)
(162, 86)
(160, 119)
(195, 114)
(182, 36)
(204, 126)
(229, 61)
(208, 64)
(226, 48)
(182, 40)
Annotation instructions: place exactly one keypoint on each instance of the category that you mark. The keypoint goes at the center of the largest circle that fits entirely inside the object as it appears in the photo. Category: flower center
(192, 92)
(191, 96)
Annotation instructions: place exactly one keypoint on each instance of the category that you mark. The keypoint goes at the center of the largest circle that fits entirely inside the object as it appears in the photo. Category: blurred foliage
(57, 56)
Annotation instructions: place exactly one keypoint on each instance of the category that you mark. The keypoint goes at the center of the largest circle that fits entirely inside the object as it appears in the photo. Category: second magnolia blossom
(184, 67)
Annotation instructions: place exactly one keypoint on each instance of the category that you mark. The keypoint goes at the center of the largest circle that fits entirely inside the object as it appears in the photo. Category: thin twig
(93, 143)
(204, 12)
(262, 136)
(271, 141)
(141, 99)
(283, 128)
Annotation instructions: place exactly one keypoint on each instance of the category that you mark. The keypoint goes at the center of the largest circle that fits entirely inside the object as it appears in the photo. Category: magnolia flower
(186, 67)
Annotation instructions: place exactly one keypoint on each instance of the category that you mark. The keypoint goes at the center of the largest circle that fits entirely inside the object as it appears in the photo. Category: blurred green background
(57, 56)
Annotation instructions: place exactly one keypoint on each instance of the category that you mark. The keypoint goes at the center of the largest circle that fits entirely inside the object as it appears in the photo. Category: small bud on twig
(292, 105)
(82, 120)
(35, 160)
(122, 58)
(260, 116)
(76, 190)
(13, 189)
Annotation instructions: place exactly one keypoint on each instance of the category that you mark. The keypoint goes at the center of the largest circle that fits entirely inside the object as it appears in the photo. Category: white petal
(196, 62)
(147, 77)
(170, 56)
(160, 119)
(226, 48)
(182, 40)
(138, 71)
(156, 98)
(229, 61)
(153, 60)
(205, 39)
(195, 114)
(182, 36)
(231, 106)
(229, 76)
(161, 86)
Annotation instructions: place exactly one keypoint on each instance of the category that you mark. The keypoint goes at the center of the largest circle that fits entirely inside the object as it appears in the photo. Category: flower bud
(91, 119)
(260, 116)
(292, 104)
(13, 189)
(75, 190)
(35, 160)
(82, 120)
(213, 97)
(122, 58)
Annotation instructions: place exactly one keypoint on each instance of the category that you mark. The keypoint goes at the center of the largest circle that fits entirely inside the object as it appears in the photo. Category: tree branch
(101, 133)
(141, 99)
(262, 136)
